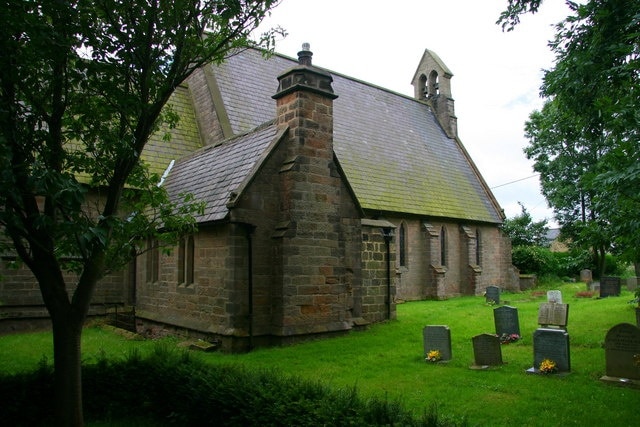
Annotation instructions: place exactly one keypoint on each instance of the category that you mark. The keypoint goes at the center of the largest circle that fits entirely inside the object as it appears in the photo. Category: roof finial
(304, 56)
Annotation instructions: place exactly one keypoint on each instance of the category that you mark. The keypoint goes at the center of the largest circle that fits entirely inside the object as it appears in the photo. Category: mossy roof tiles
(183, 140)
(393, 151)
(213, 173)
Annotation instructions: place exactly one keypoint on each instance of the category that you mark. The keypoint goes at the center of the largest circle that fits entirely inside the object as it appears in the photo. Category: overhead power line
(517, 180)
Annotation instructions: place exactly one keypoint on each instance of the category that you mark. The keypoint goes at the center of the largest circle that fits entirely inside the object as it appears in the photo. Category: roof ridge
(348, 77)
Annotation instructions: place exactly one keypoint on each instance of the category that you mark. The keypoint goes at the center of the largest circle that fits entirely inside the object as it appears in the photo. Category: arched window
(402, 242)
(478, 248)
(185, 261)
(153, 260)
(443, 246)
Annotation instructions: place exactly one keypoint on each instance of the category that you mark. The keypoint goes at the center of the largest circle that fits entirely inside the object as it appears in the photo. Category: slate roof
(393, 151)
(184, 138)
(213, 173)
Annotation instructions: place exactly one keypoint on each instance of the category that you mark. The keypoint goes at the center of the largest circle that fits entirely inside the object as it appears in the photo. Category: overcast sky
(496, 75)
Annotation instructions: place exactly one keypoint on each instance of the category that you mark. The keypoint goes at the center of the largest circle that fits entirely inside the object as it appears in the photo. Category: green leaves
(511, 17)
(584, 141)
(523, 231)
(84, 85)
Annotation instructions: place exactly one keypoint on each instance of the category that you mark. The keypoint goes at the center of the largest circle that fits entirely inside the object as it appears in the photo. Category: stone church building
(327, 201)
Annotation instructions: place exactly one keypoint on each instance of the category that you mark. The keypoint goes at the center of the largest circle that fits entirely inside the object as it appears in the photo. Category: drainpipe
(387, 233)
(249, 228)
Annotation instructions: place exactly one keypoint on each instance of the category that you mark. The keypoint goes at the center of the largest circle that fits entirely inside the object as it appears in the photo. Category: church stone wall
(21, 304)
(424, 276)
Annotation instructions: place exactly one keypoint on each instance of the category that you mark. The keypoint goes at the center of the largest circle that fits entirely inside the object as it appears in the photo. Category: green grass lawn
(387, 360)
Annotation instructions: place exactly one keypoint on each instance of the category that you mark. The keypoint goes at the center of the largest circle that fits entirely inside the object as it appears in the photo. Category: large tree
(585, 139)
(568, 162)
(83, 86)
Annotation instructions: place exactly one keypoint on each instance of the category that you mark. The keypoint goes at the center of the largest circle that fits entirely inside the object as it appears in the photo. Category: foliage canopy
(523, 231)
(584, 141)
(83, 85)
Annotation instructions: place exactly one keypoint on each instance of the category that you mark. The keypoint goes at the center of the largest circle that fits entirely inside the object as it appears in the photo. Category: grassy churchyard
(388, 362)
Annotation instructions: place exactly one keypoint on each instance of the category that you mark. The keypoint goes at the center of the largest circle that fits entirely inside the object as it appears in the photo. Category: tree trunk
(67, 336)
(600, 255)
(67, 319)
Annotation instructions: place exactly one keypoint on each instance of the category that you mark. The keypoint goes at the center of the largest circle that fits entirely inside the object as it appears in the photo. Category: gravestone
(506, 320)
(552, 314)
(622, 355)
(586, 276)
(492, 293)
(554, 296)
(609, 287)
(437, 337)
(486, 351)
(632, 283)
(552, 344)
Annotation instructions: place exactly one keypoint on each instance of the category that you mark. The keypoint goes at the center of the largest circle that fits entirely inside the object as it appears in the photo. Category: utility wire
(517, 180)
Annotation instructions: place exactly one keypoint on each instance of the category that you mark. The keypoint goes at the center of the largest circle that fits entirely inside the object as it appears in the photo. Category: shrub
(30, 396)
(542, 262)
(533, 260)
(613, 266)
(171, 387)
(569, 264)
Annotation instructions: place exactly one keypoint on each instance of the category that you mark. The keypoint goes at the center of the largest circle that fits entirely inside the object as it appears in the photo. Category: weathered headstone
(586, 276)
(554, 296)
(492, 293)
(552, 314)
(609, 287)
(486, 351)
(622, 354)
(551, 344)
(506, 320)
(527, 281)
(437, 337)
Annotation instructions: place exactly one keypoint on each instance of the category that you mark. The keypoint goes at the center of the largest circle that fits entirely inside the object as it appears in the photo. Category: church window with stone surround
(402, 243)
(478, 248)
(153, 260)
(443, 246)
(186, 250)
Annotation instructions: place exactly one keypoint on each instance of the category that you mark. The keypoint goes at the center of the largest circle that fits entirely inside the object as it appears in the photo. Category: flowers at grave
(548, 366)
(433, 356)
(509, 338)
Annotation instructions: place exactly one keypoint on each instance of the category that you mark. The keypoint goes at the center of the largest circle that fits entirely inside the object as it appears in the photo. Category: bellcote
(432, 84)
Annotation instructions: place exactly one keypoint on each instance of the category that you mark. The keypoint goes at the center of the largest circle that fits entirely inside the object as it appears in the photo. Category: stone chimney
(304, 103)
(432, 84)
(305, 77)
(310, 292)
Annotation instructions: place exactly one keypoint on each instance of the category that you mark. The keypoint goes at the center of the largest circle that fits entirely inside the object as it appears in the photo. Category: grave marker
(506, 320)
(586, 276)
(609, 287)
(554, 296)
(552, 314)
(622, 355)
(437, 337)
(492, 293)
(486, 351)
(551, 344)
